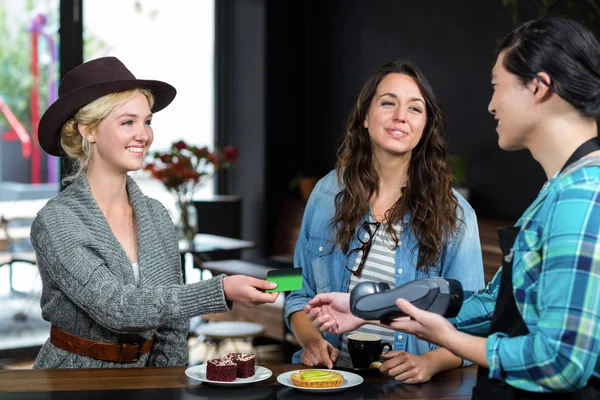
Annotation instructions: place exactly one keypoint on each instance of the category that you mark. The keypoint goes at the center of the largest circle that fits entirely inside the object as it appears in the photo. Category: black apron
(508, 320)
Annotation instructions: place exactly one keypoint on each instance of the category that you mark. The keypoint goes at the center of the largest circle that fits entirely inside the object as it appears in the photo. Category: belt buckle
(128, 347)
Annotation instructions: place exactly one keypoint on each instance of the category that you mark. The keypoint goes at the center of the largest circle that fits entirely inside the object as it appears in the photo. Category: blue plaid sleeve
(558, 298)
(477, 310)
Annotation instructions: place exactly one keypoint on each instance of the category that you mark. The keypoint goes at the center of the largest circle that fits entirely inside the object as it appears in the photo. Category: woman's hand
(425, 325)
(436, 329)
(319, 352)
(330, 312)
(247, 291)
(406, 367)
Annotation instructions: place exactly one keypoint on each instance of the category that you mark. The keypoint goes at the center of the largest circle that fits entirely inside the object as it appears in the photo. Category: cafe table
(172, 383)
(206, 247)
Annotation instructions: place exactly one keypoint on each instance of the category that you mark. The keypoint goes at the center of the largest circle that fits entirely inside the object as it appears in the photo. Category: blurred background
(274, 78)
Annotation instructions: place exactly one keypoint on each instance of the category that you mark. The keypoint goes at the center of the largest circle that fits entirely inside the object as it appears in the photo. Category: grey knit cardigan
(89, 289)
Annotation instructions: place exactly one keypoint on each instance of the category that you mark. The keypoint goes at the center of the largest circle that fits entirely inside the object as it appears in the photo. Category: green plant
(458, 165)
(304, 183)
(295, 181)
(16, 80)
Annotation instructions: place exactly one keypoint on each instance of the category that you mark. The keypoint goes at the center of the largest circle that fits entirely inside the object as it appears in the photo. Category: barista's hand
(423, 324)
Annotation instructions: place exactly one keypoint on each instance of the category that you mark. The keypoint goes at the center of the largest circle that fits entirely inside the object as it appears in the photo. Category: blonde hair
(74, 143)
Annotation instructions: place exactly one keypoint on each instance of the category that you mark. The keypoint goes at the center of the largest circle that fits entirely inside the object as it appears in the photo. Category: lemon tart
(317, 378)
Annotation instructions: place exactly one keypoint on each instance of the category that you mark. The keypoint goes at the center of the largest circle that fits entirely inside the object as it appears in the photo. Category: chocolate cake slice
(245, 364)
(221, 370)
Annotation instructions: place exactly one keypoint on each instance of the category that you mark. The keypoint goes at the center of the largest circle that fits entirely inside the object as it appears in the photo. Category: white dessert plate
(199, 373)
(350, 380)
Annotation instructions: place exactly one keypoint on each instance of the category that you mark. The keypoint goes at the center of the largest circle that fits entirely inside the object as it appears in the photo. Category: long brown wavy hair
(427, 197)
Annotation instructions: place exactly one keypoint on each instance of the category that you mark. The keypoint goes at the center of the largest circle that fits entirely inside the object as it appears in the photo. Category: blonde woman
(107, 254)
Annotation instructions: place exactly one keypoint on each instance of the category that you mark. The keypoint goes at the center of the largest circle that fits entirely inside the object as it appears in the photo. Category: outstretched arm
(330, 312)
(437, 329)
(248, 291)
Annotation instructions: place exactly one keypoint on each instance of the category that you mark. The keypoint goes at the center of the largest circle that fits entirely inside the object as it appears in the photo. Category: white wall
(172, 41)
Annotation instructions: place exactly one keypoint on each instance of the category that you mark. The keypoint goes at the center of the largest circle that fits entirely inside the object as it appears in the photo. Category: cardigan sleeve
(170, 348)
(82, 275)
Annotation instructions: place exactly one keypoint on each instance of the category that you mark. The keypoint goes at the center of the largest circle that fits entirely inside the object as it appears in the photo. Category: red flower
(230, 154)
(213, 159)
(184, 167)
(180, 145)
(201, 152)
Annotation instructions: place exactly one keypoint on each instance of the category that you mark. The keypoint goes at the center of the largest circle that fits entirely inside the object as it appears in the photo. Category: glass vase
(188, 222)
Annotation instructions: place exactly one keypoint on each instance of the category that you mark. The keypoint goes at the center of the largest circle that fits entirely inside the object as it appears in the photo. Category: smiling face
(397, 115)
(123, 137)
(512, 105)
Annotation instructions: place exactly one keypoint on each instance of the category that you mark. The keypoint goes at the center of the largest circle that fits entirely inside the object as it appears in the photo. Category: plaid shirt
(556, 284)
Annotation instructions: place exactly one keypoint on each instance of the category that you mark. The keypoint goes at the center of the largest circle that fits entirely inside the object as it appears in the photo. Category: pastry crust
(329, 379)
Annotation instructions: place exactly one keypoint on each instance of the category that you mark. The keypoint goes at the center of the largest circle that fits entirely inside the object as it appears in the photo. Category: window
(28, 79)
(172, 41)
(28, 176)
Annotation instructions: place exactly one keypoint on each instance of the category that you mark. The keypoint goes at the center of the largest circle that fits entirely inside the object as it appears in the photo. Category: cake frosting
(245, 364)
(221, 370)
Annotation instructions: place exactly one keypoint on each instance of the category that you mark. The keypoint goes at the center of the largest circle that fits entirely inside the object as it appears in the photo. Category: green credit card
(286, 279)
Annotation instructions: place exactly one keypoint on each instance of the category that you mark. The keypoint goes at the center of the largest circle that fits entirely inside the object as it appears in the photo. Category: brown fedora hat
(86, 83)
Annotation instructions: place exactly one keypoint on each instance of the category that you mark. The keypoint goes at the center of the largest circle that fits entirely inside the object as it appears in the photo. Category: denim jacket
(323, 269)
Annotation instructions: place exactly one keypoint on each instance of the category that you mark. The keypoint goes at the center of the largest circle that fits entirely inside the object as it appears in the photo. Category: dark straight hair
(564, 49)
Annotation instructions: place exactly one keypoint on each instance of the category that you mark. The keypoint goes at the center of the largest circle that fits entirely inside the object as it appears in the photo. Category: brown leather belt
(122, 353)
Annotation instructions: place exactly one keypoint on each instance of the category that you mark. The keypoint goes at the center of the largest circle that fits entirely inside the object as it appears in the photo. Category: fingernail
(329, 366)
(272, 285)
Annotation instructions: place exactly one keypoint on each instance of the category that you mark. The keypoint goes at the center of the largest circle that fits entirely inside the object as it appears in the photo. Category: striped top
(379, 267)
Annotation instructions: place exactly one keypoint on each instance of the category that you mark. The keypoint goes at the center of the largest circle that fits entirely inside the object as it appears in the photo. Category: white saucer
(199, 373)
(350, 380)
